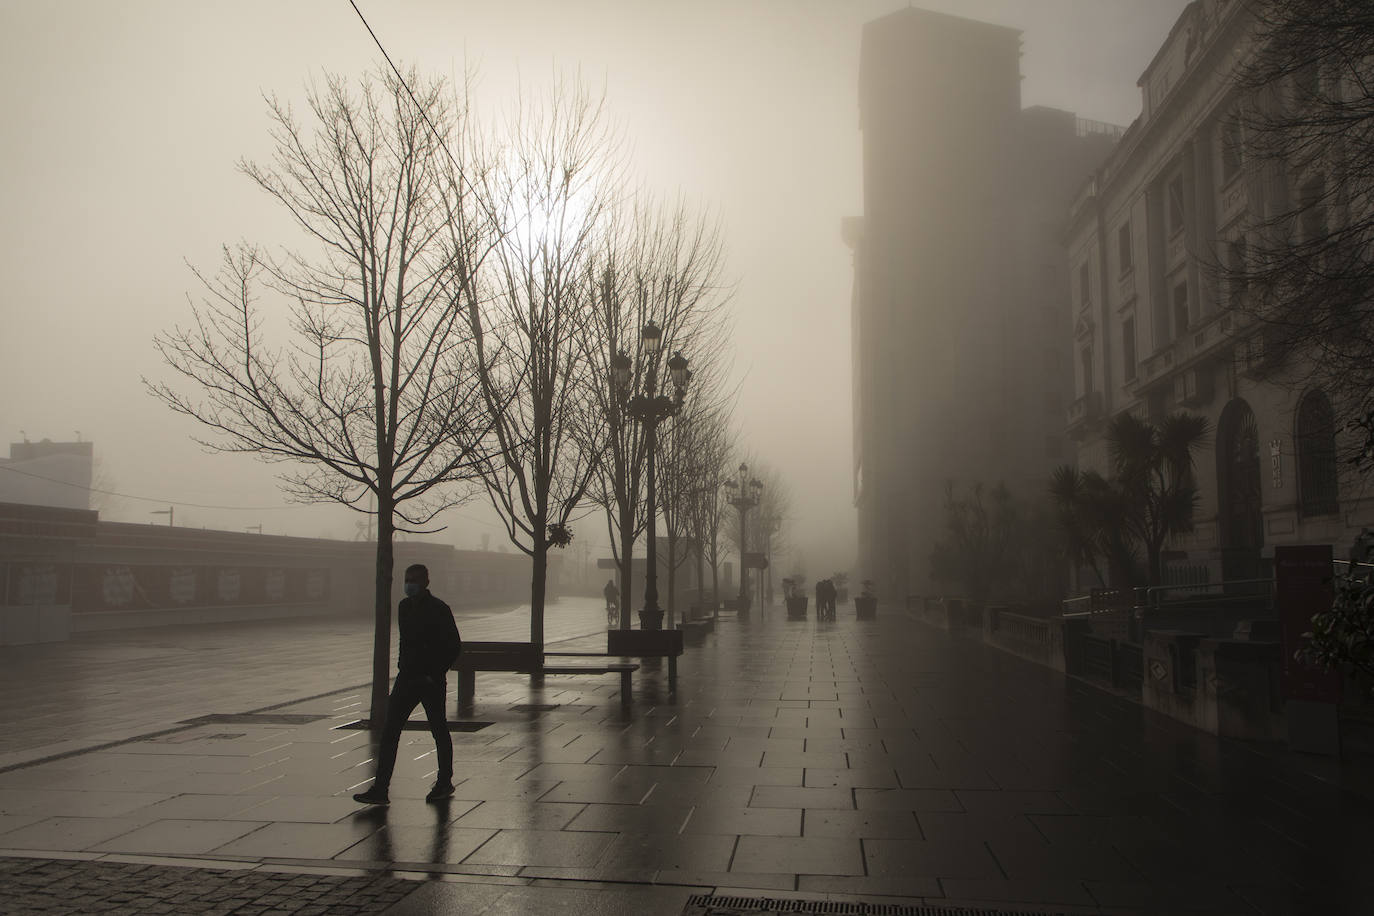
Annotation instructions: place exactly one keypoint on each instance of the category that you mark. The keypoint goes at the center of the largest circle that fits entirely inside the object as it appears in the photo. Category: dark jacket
(429, 638)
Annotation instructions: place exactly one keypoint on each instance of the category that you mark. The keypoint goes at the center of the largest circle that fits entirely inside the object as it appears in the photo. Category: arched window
(1316, 439)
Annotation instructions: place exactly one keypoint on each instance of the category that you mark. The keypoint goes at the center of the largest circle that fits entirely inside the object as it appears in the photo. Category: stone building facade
(1157, 330)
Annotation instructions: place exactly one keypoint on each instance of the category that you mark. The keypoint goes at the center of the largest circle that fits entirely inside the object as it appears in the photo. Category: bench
(648, 644)
(522, 658)
(624, 669)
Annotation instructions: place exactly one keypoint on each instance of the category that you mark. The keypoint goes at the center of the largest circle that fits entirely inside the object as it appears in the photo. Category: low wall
(27, 625)
(1226, 687)
(1031, 638)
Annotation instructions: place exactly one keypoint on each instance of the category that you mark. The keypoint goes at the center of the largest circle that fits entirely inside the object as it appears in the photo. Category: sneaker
(373, 796)
(440, 791)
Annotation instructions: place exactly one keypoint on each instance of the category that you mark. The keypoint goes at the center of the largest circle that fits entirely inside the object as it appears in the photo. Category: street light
(650, 409)
(170, 512)
(744, 495)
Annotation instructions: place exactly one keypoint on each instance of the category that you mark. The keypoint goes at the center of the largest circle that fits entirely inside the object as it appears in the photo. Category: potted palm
(793, 590)
(866, 604)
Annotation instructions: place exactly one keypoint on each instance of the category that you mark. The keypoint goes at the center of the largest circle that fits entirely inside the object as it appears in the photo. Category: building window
(1232, 148)
(1316, 437)
(1054, 447)
(1176, 204)
(1307, 86)
(1128, 348)
(1086, 361)
(1084, 290)
(1238, 265)
(1123, 248)
(1312, 206)
(1180, 309)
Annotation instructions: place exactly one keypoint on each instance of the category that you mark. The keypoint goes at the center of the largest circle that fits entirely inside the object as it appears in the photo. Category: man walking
(429, 645)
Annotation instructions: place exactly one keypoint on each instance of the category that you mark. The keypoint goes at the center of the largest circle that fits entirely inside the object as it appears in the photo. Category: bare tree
(1301, 137)
(702, 460)
(374, 391)
(662, 266)
(531, 318)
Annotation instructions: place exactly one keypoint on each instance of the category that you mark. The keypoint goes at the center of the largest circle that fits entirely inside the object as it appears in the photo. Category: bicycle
(612, 613)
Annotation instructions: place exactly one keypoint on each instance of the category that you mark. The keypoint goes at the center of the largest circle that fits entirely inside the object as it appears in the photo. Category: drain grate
(253, 718)
(414, 726)
(535, 707)
(711, 905)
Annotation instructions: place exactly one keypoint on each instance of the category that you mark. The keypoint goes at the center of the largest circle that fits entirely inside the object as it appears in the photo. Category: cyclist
(612, 602)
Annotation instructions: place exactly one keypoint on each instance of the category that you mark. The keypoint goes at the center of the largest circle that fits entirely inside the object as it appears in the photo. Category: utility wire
(443, 144)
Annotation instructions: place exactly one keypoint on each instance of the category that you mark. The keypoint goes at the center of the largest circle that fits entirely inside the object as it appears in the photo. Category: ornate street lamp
(744, 495)
(650, 410)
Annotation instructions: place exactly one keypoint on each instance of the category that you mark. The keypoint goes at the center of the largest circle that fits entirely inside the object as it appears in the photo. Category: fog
(125, 121)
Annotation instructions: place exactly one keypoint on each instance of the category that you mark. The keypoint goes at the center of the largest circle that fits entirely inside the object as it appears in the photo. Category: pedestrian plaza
(852, 762)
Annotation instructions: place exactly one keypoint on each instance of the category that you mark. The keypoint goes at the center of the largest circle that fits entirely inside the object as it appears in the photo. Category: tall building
(1156, 332)
(961, 372)
(48, 473)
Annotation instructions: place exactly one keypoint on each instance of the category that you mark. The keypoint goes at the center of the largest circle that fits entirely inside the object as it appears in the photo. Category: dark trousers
(408, 691)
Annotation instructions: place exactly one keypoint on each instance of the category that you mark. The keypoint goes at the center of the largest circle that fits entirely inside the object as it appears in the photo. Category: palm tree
(1152, 467)
(1090, 509)
(1150, 497)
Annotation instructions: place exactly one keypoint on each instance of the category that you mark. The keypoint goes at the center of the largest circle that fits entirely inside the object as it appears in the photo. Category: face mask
(414, 588)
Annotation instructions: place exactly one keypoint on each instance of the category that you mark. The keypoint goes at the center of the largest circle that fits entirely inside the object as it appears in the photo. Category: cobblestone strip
(53, 887)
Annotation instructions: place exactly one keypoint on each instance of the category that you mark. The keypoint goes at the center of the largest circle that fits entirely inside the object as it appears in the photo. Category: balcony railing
(1085, 409)
(1200, 343)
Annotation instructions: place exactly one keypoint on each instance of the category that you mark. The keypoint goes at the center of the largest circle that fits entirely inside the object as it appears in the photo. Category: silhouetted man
(429, 646)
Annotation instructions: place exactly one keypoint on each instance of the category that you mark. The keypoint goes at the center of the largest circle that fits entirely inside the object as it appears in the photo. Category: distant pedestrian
(826, 602)
(429, 646)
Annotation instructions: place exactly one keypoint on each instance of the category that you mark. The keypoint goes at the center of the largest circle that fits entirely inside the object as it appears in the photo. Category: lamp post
(650, 409)
(744, 495)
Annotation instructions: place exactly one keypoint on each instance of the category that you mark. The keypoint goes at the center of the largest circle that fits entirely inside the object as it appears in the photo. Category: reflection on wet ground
(876, 758)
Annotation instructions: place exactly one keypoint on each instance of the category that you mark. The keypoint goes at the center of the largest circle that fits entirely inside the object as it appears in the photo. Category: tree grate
(253, 718)
(711, 905)
(417, 726)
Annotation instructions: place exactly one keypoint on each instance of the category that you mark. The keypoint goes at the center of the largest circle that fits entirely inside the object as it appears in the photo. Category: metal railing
(1205, 592)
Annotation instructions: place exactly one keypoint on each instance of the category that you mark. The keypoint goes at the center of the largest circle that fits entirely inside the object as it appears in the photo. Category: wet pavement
(879, 761)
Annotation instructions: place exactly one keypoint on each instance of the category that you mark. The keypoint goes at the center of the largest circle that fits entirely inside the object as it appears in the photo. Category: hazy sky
(124, 121)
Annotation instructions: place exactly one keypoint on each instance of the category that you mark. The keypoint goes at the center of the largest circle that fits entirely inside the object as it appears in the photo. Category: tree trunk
(1156, 565)
(672, 577)
(381, 635)
(627, 560)
(701, 579)
(538, 586)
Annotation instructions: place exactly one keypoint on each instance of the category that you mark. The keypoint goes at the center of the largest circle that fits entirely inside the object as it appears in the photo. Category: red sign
(1303, 588)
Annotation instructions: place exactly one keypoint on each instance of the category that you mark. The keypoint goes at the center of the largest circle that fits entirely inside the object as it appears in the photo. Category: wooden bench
(624, 669)
(521, 658)
(647, 644)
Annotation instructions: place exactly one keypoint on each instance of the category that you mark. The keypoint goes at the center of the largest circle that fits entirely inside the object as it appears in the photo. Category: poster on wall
(37, 584)
(121, 587)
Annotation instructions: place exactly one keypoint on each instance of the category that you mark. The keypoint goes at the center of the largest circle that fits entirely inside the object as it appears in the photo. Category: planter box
(865, 608)
(796, 608)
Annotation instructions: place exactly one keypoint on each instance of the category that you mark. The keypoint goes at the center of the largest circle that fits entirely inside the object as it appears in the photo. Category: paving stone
(888, 761)
(543, 847)
(801, 855)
